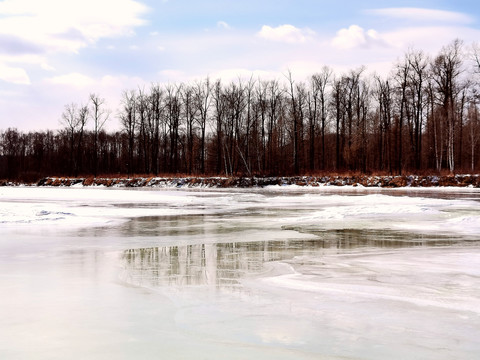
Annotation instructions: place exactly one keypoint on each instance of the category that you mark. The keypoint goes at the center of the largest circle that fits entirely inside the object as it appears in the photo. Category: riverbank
(472, 181)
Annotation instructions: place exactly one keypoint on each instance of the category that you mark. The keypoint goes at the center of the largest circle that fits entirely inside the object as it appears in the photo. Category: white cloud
(423, 15)
(47, 67)
(68, 25)
(75, 80)
(223, 25)
(14, 75)
(355, 36)
(32, 59)
(284, 33)
(31, 31)
(429, 38)
(234, 74)
(172, 75)
(119, 82)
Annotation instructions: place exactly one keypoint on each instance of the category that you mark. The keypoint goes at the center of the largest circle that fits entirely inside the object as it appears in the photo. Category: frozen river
(278, 273)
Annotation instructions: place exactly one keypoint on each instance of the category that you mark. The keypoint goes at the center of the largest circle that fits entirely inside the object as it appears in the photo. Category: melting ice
(278, 273)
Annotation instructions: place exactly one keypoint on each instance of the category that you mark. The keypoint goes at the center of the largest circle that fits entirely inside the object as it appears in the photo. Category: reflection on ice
(225, 264)
(338, 298)
(203, 264)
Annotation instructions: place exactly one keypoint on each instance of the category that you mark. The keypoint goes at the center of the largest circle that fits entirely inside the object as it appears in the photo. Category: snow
(278, 273)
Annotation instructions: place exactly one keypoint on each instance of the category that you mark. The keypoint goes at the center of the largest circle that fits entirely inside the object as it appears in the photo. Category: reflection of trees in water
(174, 265)
(203, 264)
(164, 225)
(224, 264)
(365, 238)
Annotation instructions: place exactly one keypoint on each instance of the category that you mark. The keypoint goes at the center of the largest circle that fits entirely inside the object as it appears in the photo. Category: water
(271, 274)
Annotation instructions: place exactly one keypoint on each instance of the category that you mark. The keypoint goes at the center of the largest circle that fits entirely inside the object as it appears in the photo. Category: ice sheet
(264, 274)
(85, 207)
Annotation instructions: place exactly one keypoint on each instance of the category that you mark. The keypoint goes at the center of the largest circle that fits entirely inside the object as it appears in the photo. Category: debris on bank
(248, 182)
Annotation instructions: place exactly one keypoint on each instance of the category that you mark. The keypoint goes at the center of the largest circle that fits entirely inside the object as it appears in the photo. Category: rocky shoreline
(472, 181)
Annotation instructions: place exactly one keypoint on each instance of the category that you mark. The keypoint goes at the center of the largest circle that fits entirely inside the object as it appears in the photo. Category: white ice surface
(271, 274)
(85, 207)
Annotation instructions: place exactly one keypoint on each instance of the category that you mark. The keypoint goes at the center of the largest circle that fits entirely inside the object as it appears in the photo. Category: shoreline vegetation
(422, 118)
(368, 181)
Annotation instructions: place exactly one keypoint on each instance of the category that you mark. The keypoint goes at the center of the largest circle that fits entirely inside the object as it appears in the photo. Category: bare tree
(319, 83)
(384, 95)
(156, 111)
(261, 110)
(128, 120)
(173, 114)
(249, 121)
(417, 79)
(82, 122)
(11, 150)
(220, 106)
(144, 121)
(476, 57)
(99, 115)
(274, 105)
(190, 111)
(473, 126)
(446, 69)
(296, 117)
(75, 118)
(401, 77)
(203, 91)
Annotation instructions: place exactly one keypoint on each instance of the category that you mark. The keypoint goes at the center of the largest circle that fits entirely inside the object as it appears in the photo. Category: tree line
(422, 117)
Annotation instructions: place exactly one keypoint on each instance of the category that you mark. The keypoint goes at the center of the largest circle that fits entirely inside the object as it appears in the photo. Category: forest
(421, 118)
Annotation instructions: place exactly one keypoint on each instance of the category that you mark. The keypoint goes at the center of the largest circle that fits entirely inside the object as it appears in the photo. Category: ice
(92, 207)
(277, 273)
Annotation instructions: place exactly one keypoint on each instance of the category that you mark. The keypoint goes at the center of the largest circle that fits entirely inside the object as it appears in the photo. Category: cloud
(284, 33)
(11, 44)
(172, 75)
(75, 79)
(223, 25)
(47, 67)
(355, 36)
(66, 25)
(423, 15)
(429, 38)
(14, 75)
(235, 74)
(33, 30)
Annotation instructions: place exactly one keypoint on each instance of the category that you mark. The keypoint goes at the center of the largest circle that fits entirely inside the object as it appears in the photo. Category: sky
(57, 52)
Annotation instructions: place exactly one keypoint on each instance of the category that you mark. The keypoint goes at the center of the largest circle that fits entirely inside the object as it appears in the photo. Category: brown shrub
(448, 180)
(88, 181)
(398, 181)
